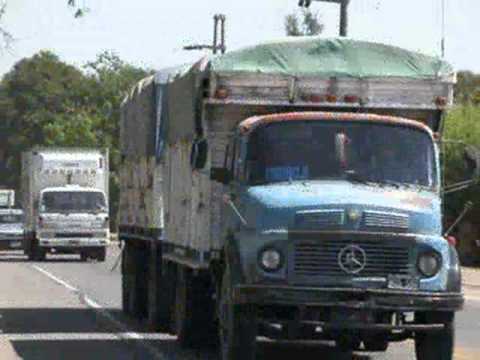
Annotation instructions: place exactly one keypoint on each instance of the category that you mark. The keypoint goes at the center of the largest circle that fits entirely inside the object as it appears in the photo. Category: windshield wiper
(352, 176)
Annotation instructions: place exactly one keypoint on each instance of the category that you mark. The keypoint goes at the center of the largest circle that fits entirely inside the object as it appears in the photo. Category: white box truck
(65, 199)
(11, 221)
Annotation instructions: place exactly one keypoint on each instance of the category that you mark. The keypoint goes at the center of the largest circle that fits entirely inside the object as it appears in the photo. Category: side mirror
(471, 156)
(198, 156)
(222, 175)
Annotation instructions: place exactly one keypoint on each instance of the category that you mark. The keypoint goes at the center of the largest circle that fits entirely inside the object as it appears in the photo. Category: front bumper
(11, 242)
(73, 243)
(353, 298)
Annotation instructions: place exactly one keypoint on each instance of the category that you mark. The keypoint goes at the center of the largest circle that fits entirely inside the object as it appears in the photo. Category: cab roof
(252, 123)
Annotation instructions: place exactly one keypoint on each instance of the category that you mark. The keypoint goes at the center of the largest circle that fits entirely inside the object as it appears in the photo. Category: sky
(152, 33)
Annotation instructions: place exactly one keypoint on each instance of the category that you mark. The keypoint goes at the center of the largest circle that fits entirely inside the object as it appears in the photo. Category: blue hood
(274, 206)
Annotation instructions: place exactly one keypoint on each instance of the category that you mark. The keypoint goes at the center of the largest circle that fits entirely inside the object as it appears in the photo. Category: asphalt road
(65, 309)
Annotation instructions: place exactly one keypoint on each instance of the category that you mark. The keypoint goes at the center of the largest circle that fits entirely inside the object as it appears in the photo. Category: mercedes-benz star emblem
(352, 259)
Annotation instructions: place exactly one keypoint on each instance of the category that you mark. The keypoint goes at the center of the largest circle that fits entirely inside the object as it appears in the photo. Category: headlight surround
(270, 259)
(429, 263)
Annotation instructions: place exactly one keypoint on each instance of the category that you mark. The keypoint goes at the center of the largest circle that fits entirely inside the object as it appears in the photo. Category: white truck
(11, 221)
(65, 199)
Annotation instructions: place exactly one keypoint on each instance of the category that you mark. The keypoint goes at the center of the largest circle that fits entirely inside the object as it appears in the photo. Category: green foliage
(305, 23)
(44, 101)
(467, 90)
(462, 124)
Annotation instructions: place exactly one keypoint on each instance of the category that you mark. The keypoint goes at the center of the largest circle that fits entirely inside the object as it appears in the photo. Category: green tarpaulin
(314, 56)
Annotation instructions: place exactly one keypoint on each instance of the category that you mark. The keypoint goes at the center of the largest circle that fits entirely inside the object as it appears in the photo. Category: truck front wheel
(100, 254)
(237, 325)
(436, 345)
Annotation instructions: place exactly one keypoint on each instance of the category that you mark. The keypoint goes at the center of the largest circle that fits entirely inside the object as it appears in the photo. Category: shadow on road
(18, 256)
(64, 333)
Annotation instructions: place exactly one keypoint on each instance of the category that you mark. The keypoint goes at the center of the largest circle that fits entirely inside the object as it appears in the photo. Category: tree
(303, 23)
(6, 37)
(467, 89)
(44, 101)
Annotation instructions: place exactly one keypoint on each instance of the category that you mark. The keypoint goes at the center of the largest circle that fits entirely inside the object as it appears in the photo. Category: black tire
(38, 254)
(438, 345)
(35, 252)
(193, 310)
(183, 319)
(376, 343)
(83, 256)
(237, 325)
(101, 254)
(161, 282)
(347, 343)
(126, 286)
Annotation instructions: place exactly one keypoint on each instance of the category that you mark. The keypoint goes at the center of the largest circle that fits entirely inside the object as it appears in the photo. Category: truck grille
(319, 218)
(385, 220)
(321, 258)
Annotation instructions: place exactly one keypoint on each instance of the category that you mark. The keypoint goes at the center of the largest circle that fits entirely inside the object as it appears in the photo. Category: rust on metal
(254, 122)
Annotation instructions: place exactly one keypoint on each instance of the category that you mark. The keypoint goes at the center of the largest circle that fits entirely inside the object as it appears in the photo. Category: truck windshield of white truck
(72, 201)
(352, 151)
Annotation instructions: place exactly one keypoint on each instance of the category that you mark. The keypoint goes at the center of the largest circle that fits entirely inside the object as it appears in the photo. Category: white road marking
(125, 334)
(74, 336)
(56, 279)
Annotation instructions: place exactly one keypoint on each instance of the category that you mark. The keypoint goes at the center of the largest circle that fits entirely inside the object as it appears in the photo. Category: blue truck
(293, 190)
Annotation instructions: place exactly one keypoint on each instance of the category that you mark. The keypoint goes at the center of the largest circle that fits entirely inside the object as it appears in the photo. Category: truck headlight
(429, 263)
(270, 260)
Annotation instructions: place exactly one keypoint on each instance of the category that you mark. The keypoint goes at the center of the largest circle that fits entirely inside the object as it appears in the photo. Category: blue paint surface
(270, 212)
(274, 206)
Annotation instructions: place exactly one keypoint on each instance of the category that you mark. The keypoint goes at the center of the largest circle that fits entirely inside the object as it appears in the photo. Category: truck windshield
(65, 201)
(355, 151)
(11, 218)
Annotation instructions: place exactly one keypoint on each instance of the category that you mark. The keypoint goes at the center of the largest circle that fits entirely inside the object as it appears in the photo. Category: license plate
(403, 282)
(16, 244)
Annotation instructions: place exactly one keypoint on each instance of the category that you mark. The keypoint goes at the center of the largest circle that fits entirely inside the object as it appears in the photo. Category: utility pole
(443, 27)
(343, 12)
(218, 37)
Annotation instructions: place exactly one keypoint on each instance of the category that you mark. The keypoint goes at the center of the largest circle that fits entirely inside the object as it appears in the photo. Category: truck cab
(73, 217)
(334, 223)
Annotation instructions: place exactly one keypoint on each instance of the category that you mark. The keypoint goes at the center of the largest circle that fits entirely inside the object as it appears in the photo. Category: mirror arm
(458, 186)
(467, 207)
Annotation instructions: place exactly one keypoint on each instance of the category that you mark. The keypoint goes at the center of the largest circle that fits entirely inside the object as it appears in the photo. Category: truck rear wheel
(376, 343)
(183, 309)
(436, 345)
(125, 281)
(131, 294)
(237, 325)
(161, 290)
